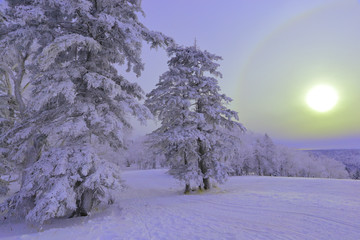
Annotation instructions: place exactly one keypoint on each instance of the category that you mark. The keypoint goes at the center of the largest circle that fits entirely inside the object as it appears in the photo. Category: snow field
(153, 207)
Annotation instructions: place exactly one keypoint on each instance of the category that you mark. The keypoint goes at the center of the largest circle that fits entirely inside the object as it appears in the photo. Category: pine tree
(79, 101)
(193, 117)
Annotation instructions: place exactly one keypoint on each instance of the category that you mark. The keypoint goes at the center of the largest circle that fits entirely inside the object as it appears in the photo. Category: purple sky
(274, 51)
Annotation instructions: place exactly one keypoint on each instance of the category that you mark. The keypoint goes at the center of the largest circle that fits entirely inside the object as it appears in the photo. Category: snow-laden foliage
(193, 117)
(79, 100)
(17, 49)
(56, 182)
(258, 155)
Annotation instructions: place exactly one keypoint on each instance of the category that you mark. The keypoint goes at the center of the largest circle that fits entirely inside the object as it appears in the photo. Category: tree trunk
(202, 165)
(17, 86)
(86, 202)
(206, 182)
(83, 205)
(259, 165)
(187, 188)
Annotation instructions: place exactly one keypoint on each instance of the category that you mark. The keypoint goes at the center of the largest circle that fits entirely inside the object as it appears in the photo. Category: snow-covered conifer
(78, 99)
(193, 117)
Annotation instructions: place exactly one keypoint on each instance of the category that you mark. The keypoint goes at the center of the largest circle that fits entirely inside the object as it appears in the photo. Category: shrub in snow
(78, 101)
(193, 117)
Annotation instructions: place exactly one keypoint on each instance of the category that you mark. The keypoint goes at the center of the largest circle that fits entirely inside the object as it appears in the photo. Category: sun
(322, 98)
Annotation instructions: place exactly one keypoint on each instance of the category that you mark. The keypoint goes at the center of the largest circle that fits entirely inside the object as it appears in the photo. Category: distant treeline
(251, 154)
(349, 157)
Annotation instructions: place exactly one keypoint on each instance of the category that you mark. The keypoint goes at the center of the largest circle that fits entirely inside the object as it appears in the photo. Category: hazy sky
(274, 52)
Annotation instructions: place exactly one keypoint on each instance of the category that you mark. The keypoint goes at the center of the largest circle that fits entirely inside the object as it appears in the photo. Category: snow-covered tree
(243, 162)
(325, 167)
(16, 54)
(257, 154)
(287, 161)
(264, 154)
(349, 157)
(17, 49)
(78, 99)
(193, 117)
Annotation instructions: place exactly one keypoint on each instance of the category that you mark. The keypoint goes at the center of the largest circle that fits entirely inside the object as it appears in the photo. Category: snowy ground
(246, 208)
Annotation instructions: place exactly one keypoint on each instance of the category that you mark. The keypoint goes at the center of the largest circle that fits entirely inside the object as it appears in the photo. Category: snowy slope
(153, 207)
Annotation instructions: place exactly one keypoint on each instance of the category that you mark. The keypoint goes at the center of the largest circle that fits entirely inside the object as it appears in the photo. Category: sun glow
(322, 98)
